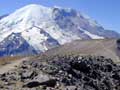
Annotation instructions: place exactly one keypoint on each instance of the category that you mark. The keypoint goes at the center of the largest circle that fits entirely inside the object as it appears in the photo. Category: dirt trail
(11, 66)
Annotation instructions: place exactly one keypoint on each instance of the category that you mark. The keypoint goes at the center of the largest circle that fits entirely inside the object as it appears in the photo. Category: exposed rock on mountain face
(15, 44)
(3, 16)
(44, 28)
(63, 73)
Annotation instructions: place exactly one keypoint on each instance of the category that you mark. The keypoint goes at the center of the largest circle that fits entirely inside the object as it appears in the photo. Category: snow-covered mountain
(40, 28)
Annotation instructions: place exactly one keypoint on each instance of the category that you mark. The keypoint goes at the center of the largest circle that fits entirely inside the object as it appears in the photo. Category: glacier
(41, 28)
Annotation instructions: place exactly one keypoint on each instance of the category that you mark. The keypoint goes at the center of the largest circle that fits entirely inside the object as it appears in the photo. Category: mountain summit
(43, 28)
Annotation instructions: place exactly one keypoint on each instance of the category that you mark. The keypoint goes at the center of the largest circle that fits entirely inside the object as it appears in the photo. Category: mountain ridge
(47, 27)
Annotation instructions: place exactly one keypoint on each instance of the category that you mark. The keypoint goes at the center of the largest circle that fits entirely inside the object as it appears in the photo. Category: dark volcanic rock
(66, 73)
(49, 83)
(32, 84)
(97, 73)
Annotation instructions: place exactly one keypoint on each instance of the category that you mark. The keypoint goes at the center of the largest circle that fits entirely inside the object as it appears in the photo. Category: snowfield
(44, 28)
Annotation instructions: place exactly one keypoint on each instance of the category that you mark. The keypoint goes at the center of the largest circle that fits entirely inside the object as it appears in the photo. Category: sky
(105, 12)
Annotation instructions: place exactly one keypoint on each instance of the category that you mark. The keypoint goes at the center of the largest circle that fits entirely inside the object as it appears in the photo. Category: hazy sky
(106, 12)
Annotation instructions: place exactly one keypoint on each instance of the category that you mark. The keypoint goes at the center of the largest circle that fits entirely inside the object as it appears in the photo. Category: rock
(49, 83)
(81, 66)
(24, 67)
(64, 73)
(28, 74)
(41, 78)
(70, 88)
(118, 43)
(116, 76)
(32, 84)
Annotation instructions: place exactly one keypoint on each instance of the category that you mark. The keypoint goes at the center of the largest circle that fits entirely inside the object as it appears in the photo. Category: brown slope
(106, 47)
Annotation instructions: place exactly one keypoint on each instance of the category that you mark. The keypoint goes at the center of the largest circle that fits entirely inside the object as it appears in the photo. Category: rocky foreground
(63, 73)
